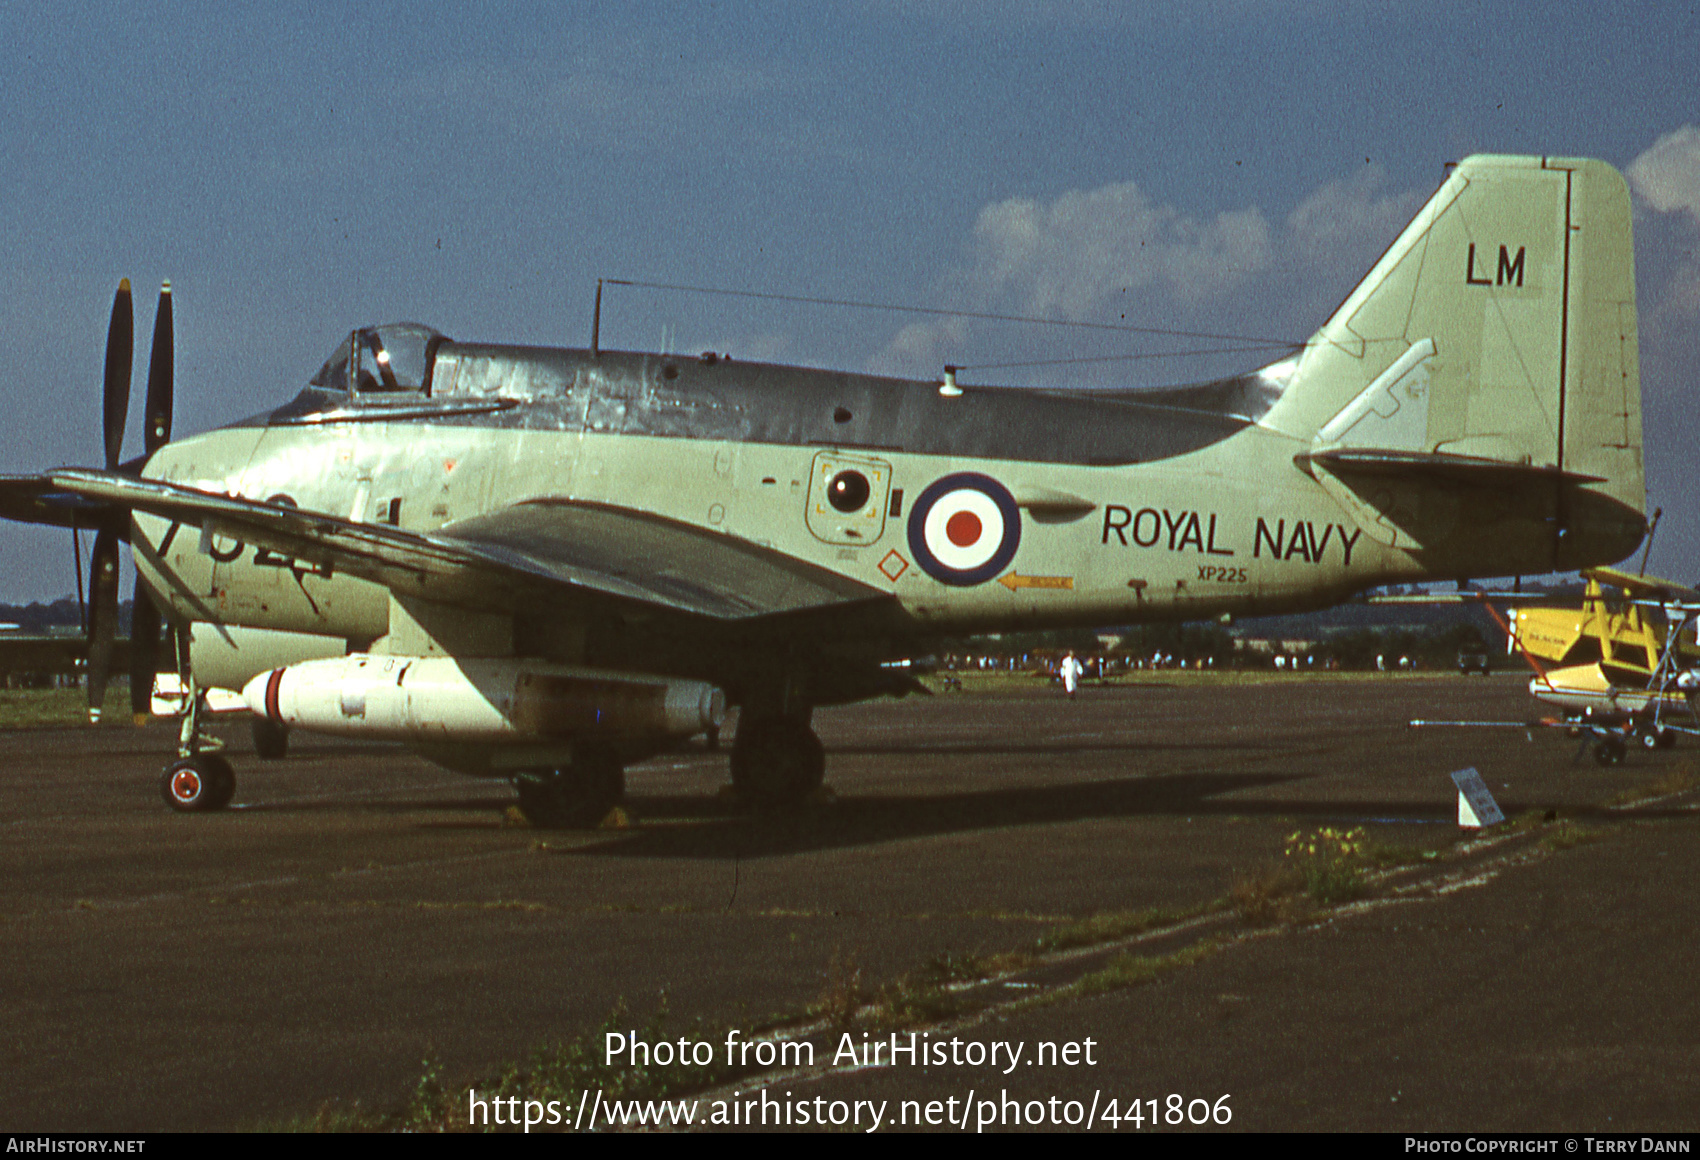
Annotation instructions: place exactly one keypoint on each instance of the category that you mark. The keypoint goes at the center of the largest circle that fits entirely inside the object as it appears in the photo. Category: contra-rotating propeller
(145, 621)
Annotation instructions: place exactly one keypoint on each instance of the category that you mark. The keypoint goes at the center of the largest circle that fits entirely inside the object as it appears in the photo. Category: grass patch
(841, 997)
(1276, 895)
(1005, 683)
(1568, 834)
(1331, 862)
(1530, 820)
(957, 967)
(1679, 781)
(911, 1002)
(916, 999)
(558, 1072)
(1097, 929)
(1322, 868)
(1124, 971)
(1391, 855)
(47, 708)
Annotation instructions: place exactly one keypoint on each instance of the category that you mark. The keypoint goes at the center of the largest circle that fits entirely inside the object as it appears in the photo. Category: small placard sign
(1476, 807)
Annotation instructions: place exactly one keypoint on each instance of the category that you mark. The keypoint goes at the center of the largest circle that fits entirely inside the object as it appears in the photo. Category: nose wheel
(200, 780)
(198, 784)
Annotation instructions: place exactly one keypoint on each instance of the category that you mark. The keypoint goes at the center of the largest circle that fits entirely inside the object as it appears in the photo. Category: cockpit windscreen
(395, 357)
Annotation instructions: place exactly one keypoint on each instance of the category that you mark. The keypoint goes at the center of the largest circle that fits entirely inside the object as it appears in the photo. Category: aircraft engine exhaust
(482, 700)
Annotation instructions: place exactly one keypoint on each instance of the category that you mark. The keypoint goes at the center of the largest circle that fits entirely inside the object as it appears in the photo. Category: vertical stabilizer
(1499, 330)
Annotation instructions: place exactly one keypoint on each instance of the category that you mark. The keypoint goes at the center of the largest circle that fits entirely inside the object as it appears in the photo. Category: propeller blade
(156, 432)
(145, 625)
(120, 344)
(103, 616)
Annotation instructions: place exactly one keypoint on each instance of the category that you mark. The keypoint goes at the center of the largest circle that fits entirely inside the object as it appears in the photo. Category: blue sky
(1230, 167)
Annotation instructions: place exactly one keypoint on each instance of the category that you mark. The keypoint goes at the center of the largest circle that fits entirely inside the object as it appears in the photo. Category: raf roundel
(964, 529)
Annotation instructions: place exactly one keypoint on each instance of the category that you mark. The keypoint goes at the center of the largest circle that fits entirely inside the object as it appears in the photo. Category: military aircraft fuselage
(975, 510)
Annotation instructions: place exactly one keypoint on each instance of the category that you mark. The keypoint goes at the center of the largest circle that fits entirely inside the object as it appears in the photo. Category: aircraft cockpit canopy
(394, 357)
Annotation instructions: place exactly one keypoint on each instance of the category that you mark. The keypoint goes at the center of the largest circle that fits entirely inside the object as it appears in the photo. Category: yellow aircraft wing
(1640, 584)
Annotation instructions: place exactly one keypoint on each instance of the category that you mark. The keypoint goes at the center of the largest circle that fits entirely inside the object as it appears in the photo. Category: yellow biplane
(1623, 667)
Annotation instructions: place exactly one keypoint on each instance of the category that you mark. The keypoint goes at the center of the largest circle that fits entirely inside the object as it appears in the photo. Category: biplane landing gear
(577, 797)
(1656, 738)
(776, 761)
(1609, 750)
(198, 784)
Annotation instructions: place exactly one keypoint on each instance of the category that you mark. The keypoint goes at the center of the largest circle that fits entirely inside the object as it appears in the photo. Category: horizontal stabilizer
(1438, 467)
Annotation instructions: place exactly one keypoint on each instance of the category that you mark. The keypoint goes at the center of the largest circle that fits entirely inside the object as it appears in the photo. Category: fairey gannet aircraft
(542, 564)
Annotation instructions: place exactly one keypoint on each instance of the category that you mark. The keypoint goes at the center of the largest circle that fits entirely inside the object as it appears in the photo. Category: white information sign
(1476, 807)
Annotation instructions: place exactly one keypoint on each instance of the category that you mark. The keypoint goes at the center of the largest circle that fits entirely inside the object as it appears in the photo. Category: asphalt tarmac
(360, 911)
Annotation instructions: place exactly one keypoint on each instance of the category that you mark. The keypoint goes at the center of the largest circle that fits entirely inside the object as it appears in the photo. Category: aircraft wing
(1666, 590)
(561, 550)
(36, 499)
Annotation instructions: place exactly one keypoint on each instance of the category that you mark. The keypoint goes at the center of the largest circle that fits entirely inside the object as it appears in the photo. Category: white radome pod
(437, 699)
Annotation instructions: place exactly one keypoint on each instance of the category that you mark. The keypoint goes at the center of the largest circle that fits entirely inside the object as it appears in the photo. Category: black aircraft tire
(1667, 739)
(777, 763)
(1650, 738)
(224, 781)
(198, 784)
(575, 798)
(271, 740)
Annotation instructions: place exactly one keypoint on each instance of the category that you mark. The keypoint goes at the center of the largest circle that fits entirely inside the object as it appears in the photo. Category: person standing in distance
(1071, 670)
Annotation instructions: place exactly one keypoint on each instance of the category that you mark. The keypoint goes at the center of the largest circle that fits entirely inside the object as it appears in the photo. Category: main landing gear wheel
(575, 798)
(198, 784)
(1609, 750)
(271, 740)
(776, 761)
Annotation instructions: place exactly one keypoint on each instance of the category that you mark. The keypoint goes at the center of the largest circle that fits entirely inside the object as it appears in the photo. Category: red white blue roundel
(964, 529)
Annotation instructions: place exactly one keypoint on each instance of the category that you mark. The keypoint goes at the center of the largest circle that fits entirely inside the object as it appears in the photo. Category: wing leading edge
(36, 499)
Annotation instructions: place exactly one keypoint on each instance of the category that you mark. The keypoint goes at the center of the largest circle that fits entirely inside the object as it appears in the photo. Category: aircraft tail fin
(1492, 347)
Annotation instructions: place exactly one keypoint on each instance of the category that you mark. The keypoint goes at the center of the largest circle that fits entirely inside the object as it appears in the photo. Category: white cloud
(1102, 254)
(1667, 176)
(1066, 259)
(1340, 215)
(922, 344)
(1074, 257)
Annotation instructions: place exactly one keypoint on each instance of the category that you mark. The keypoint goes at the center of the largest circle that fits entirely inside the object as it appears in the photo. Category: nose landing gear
(198, 784)
(200, 780)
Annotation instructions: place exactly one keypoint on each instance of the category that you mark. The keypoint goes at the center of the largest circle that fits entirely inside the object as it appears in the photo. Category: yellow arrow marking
(1016, 580)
